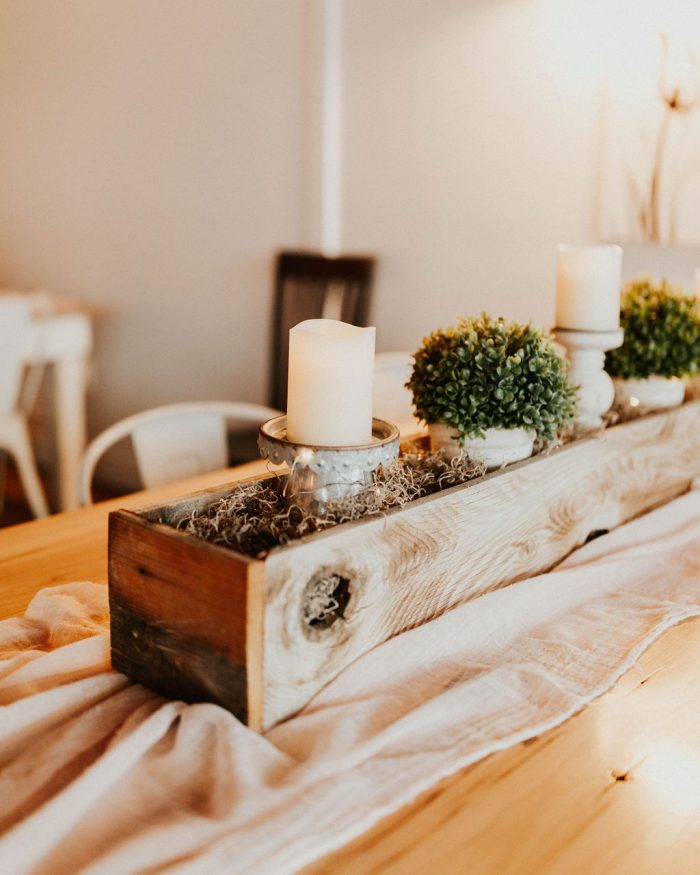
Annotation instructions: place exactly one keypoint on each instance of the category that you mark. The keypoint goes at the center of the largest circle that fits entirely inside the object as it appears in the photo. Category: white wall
(471, 135)
(150, 164)
(154, 155)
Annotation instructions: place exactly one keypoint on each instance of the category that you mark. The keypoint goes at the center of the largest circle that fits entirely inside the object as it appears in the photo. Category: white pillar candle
(329, 398)
(588, 288)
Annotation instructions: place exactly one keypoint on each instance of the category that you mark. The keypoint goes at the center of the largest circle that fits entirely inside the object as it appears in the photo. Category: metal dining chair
(173, 442)
(15, 316)
(313, 286)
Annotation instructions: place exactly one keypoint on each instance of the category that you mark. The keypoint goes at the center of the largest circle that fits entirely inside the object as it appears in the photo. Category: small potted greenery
(661, 346)
(490, 387)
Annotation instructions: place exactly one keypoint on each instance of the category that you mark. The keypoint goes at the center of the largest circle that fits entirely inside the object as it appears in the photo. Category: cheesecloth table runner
(100, 775)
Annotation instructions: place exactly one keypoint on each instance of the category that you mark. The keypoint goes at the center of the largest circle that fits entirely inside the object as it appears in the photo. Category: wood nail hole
(325, 601)
(596, 533)
(620, 776)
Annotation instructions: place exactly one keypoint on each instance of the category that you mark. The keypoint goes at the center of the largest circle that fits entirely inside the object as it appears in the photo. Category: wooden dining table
(614, 789)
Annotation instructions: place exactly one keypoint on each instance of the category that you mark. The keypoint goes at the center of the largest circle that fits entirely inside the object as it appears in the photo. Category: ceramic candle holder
(320, 474)
(596, 391)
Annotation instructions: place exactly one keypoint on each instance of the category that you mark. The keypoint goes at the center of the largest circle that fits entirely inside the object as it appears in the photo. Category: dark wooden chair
(312, 286)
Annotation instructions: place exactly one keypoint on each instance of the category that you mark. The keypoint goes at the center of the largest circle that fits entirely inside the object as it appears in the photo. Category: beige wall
(471, 135)
(150, 163)
(155, 153)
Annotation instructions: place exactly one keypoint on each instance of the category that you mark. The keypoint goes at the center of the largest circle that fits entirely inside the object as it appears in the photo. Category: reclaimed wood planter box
(201, 622)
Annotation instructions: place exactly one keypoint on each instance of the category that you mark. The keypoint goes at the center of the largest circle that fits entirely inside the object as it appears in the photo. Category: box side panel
(393, 573)
(255, 632)
(175, 510)
(178, 613)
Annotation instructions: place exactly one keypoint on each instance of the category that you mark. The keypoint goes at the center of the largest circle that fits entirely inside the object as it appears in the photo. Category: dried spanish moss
(253, 518)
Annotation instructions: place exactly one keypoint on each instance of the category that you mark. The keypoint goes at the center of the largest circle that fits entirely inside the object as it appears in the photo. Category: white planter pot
(500, 446)
(652, 393)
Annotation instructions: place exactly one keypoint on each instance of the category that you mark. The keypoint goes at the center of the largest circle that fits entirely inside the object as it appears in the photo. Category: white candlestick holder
(596, 391)
(319, 474)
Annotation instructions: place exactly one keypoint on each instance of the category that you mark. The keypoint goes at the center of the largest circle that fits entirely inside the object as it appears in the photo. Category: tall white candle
(329, 398)
(588, 288)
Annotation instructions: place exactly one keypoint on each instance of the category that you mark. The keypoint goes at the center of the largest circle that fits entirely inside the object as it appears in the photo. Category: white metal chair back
(15, 318)
(175, 441)
(391, 399)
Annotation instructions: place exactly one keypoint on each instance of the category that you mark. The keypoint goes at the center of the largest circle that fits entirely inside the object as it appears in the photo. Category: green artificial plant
(488, 373)
(662, 332)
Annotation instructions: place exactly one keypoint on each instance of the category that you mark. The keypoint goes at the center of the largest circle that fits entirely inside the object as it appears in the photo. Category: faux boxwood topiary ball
(662, 333)
(489, 373)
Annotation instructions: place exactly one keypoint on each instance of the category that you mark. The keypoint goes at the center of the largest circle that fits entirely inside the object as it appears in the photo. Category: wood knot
(620, 775)
(325, 601)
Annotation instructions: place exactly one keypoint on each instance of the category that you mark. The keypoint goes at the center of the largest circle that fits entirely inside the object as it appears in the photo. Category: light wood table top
(73, 546)
(615, 789)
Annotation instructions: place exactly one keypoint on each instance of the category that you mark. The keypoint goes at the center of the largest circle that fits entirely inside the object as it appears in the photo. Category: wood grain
(179, 615)
(615, 790)
(186, 616)
(417, 562)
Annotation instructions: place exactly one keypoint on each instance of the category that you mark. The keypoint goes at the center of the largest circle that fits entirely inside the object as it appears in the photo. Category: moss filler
(253, 518)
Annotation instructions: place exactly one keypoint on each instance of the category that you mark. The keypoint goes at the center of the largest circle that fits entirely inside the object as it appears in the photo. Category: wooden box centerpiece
(201, 622)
